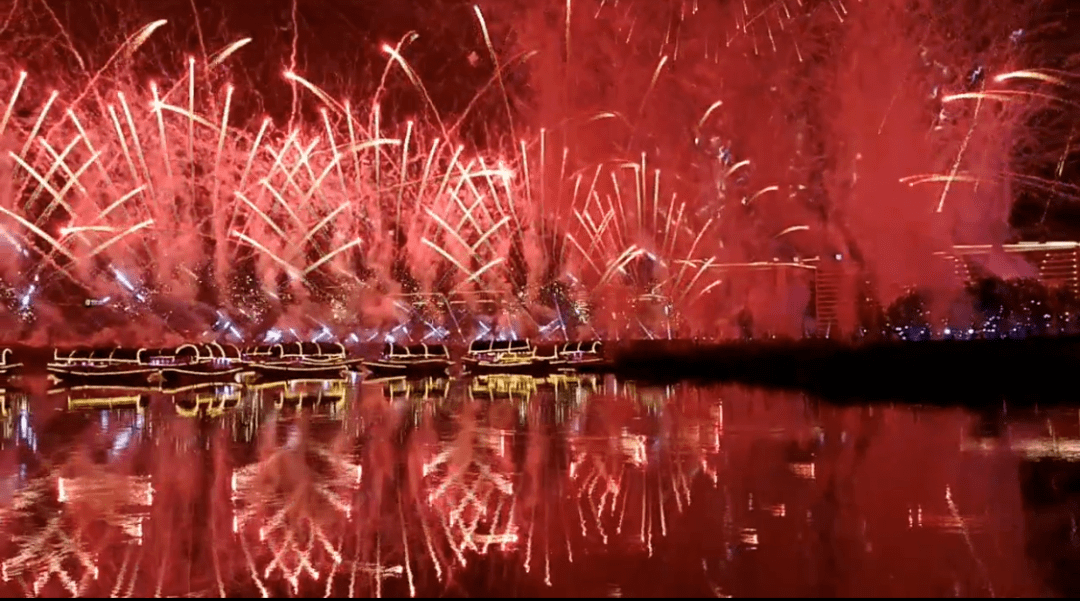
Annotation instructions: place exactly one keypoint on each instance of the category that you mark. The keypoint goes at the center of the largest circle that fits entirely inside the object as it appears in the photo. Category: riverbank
(1038, 370)
(942, 372)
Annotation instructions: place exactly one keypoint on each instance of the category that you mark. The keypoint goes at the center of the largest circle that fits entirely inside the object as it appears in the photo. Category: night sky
(337, 45)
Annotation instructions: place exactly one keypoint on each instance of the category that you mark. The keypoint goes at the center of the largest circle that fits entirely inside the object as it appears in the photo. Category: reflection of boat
(504, 357)
(423, 389)
(647, 394)
(89, 399)
(103, 367)
(413, 361)
(303, 392)
(503, 386)
(580, 356)
(573, 381)
(309, 360)
(192, 364)
(518, 386)
(9, 408)
(210, 402)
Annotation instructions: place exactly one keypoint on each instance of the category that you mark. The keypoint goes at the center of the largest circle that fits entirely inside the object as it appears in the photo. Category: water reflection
(511, 485)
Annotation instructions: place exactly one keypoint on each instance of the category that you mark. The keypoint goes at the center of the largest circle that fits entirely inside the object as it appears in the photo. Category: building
(1057, 264)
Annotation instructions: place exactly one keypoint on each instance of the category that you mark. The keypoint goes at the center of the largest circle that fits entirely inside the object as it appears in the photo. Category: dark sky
(1054, 213)
(337, 44)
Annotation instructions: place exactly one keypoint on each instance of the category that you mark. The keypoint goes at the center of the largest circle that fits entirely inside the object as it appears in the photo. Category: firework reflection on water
(544, 486)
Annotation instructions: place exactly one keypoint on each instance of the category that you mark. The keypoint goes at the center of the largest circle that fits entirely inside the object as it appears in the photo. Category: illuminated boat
(306, 360)
(8, 369)
(104, 367)
(580, 356)
(413, 361)
(198, 364)
(7, 365)
(504, 357)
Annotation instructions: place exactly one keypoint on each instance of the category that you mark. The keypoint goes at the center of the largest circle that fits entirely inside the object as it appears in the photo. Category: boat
(7, 365)
(198, 364)
(580, 356)
(300, 360)
(103, 367)
(412, 361)
(8, 370)
(504, 357)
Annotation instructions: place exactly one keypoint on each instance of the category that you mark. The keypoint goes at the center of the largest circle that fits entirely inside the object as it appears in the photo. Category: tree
(910, 315)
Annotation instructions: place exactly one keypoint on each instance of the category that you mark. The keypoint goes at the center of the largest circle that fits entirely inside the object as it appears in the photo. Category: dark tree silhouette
(909, 314)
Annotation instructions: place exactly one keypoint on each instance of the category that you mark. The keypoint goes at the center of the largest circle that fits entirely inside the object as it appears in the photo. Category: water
(519, 487)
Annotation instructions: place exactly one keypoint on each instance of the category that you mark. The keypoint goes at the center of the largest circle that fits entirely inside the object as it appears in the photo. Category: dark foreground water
(519, 487)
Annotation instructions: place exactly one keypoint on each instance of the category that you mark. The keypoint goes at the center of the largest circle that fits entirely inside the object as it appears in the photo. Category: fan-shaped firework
(658, 145)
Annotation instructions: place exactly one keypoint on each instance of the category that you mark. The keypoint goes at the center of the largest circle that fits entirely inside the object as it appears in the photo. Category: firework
(608, 204)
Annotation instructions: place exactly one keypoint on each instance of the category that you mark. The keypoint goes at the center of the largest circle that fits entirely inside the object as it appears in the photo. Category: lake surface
(531, 488)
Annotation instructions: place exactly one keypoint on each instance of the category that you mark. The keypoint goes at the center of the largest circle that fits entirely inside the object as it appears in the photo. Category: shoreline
(939, 372)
